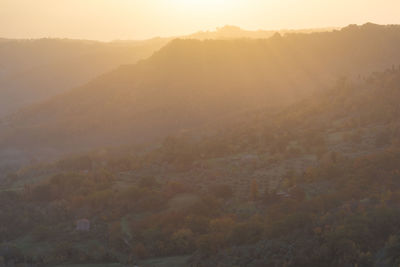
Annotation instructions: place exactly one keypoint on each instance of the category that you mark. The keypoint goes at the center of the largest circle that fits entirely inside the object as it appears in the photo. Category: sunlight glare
(203, 5)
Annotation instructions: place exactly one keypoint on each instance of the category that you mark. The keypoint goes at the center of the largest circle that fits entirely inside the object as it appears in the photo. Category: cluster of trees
(341, 211)
(349, 220)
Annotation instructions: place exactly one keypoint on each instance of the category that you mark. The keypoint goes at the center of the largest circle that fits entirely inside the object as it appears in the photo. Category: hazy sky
(139, 19)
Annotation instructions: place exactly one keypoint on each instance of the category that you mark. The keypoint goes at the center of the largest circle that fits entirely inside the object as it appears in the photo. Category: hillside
(191, 83)
(313, 184)
(34, 70)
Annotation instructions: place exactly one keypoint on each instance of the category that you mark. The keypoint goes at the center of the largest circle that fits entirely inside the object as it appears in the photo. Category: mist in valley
(224, 147)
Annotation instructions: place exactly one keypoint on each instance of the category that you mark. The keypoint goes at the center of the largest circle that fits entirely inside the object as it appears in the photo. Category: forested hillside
(191, 83)
(312, 184)
(33, 70)
(271, 145)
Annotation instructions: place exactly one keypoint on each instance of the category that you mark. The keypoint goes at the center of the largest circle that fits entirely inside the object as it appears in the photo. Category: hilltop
(233, 32)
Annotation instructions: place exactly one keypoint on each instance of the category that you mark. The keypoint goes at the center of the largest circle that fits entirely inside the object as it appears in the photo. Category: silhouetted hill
(190, 83)
(234, 32)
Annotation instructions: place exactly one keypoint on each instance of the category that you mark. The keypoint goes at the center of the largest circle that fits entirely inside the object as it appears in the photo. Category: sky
(142, 19)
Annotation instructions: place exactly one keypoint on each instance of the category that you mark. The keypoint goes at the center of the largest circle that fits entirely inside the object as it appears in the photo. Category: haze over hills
(220, 151)
(277, 147)
(190, 83)
(293, 186)
(33, 70)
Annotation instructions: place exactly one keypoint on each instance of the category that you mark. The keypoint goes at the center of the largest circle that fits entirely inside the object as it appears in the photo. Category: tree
(298, 193)
(254, 190)
(148, 182)
(222, 191)
(140, 251)
(183, 241)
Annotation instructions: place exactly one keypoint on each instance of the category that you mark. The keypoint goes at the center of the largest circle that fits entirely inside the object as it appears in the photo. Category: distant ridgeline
(35, 69)
(189, 84)
(233, 32)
